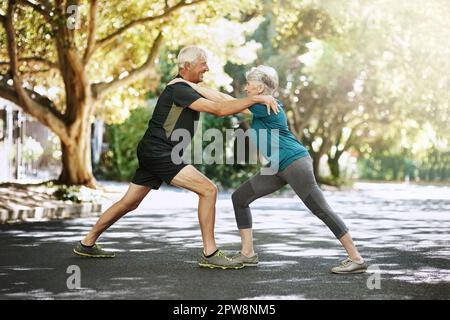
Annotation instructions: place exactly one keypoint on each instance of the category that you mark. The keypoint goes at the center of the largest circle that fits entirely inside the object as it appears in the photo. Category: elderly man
(178, 107)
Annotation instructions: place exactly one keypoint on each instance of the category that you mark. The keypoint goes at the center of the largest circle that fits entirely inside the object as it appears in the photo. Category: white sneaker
(246, 261)
(350, 266)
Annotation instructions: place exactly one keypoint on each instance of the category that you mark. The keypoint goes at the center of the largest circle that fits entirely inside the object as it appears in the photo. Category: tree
(66, 61)
(354, 71)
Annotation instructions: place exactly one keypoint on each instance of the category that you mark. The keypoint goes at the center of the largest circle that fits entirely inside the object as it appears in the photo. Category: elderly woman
(294, 168)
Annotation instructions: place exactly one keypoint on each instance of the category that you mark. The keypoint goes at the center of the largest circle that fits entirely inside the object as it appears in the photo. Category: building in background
(28, 149)
(31, 151)
(11, 140)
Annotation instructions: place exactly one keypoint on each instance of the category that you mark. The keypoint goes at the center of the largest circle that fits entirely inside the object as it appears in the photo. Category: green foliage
(32, 150)
(226, 175)
(217, 25)
(76, 194)
(390, 167)
(355, 71)
(435, 167)
(167, 68)
(352, 73)
(206, 23)
(120, 161)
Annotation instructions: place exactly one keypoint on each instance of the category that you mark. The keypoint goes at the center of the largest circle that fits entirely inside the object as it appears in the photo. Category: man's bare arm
(212, 94)
(225, 108)
(209, 94)
(215, 96)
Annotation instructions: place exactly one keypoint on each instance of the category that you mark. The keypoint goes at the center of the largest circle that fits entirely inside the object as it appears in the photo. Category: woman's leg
(257, 187)
(347, 242)
(130, 201)
(300, 176)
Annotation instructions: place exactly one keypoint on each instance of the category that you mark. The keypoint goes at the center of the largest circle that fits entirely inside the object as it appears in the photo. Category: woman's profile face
(254, 88)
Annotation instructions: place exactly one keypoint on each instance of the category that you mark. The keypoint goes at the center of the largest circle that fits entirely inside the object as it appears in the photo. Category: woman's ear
(261, 88)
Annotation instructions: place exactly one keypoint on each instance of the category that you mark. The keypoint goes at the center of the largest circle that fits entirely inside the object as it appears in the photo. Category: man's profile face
(197, 70)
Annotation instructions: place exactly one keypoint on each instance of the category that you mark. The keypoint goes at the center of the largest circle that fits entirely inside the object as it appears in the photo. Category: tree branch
(9, 93)
(33, 104)
(108, 39)
(36, 71)
(11, 39)
(39, 107)
(91, 31)
(50, 64)
(100, 89)
(39, 8)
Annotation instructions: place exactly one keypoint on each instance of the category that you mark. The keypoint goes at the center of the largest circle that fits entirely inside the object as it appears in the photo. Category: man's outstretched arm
(215, 96)
(210, 94)
(225, 108)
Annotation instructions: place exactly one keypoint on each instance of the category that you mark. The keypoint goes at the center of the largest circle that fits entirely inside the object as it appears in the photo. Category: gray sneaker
(350, 266)
(246, 261)
(219, 260)
(92, 252)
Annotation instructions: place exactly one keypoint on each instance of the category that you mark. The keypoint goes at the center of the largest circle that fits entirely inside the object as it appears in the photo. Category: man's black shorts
(152, 172)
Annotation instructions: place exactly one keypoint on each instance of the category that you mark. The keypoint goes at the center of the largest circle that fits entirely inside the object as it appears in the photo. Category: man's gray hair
(264, 74)
(190, 54)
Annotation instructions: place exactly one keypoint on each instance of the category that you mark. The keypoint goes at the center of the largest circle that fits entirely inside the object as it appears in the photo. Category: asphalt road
(403, 234)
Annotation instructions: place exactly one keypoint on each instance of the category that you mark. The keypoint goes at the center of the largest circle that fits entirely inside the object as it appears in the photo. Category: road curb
(76, 210)
(18, 205)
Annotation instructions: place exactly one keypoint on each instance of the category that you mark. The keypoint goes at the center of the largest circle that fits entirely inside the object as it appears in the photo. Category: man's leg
(130, 201)
(256, 187)
(191, 179)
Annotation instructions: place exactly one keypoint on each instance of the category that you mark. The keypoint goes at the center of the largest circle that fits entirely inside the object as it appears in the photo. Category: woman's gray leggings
(300, 176)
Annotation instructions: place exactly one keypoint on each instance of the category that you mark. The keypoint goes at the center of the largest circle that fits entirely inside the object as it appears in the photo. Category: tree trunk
(316, 156)
(76, 161)
(333, 164)
(76, 150)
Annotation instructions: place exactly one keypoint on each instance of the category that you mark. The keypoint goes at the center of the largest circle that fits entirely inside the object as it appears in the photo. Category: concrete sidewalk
(34, 204)
(404, 238)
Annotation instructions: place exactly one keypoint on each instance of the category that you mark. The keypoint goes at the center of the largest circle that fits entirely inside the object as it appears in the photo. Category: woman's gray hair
(190, 54)
(268, 76)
